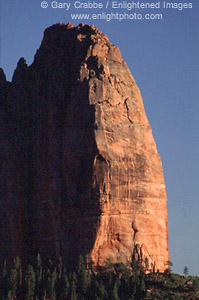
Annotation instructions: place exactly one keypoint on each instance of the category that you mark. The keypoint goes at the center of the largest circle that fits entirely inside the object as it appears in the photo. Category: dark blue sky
(163, 56)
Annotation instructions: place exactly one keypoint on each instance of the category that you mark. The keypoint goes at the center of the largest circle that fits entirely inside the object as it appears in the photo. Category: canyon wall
(82, 171)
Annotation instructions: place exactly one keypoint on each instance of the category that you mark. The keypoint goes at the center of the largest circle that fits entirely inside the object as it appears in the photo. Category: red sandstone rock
(93, 176)
(127, 170)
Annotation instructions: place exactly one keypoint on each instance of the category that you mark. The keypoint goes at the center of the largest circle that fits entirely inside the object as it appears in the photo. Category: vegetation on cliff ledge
(55, 281)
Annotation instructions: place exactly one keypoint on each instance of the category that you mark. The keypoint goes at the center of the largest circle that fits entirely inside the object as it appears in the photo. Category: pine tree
(39, 275)
(4, 281)
(96, 289)
(65, 285)
(115, 295)
(38, 268)
(186, 271)
(93, 288)
(81, 263)
(9, 296)
(132, 290)
(73, 292)
(60, 268)
(30, 280)
(18, 267)
(142, 287)
(53, 282)
(62, 284)
(146, 264)
(102, 290)
(13, 282)
(83, 277)
(47, 283)
(73, 289)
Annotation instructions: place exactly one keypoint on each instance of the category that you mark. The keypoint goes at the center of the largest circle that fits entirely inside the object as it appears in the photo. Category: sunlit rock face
(93, 178)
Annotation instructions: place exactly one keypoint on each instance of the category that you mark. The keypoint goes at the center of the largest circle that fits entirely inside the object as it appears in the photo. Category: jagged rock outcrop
(92, 177)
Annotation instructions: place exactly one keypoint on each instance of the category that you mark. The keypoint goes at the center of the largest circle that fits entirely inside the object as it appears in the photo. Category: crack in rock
(125, 102)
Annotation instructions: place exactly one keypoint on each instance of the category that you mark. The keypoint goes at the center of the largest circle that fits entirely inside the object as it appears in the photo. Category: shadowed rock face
(91, 175)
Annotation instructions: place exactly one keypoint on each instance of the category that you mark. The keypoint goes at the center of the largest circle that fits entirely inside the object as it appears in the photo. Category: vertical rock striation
(92, 178)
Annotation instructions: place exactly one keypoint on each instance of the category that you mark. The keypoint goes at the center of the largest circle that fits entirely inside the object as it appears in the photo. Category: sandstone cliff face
(10, 198)
(92, 175)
